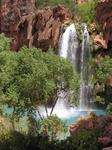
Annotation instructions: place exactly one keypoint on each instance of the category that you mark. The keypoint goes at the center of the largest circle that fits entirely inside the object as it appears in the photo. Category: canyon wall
(104, 18)
(26, 25)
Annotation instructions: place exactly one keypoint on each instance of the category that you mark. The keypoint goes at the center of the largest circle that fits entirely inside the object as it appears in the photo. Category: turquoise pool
(78, 114)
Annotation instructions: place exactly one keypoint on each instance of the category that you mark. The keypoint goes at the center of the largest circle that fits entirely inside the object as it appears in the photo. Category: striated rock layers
(28, 26)
(104, 18)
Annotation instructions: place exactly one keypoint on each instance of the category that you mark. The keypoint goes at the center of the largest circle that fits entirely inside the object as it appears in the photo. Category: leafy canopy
(31, 78)
(4, 42)
(104, 68)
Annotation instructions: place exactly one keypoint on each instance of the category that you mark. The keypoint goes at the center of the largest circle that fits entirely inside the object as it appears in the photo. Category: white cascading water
(61, 109)
(85, 82)
(69, 43)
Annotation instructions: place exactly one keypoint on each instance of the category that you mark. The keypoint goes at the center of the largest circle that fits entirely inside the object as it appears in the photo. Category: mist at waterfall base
(68, 48)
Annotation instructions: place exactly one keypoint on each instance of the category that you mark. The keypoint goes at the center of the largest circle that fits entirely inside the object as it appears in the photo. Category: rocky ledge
(29, 26)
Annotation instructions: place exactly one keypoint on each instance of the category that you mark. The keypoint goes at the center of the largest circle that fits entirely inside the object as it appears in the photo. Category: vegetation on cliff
(86, 11)
(68, 3)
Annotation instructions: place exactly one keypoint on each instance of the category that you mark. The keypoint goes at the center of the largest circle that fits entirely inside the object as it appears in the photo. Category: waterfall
(69, 44)
(80, 58)
(85, 82)
(68, 49)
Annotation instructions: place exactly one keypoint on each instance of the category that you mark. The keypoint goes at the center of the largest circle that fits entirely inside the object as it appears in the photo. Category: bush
(86, 11)
(109, 108)
(4, 42)
(84, 140)
(52, 126)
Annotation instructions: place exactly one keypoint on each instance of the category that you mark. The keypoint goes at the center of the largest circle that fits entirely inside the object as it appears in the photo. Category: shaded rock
(108, 148)
(104, 18)
(28, 26)
(105, 140)
(108, 81)
(17, 21)
(48, 26)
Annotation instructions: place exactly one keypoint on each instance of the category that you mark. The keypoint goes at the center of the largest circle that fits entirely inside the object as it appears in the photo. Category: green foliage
(104, 69)
(86, 11)
(12, 140)
(52, 126)
(109, 108)
(68, 3)
(102, 75)
(42, 76)
(84, 140)
(4, 43)
(8, 95)
(31, 78)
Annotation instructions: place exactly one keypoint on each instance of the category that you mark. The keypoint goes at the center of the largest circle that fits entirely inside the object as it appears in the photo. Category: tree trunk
(46, 110)
(39, 114)
(13, 119)
(56, 99)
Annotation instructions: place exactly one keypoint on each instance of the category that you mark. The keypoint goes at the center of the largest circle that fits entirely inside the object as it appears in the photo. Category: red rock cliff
(104, 18)
(28, 26)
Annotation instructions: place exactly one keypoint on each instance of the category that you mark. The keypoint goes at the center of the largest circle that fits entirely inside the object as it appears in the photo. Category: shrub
(109, 108)
(86, 11)
(84, 140)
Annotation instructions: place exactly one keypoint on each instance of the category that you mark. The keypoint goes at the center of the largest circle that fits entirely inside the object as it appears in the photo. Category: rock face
(104, 18)
(48, 26)
(90, 122)
(28, 26)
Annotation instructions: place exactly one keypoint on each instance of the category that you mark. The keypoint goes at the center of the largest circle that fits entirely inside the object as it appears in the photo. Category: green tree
(104, 69)
(52, 126)
(40, 79)
(4, 42)
(8, 93)
(103, 75)
(31, 78)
